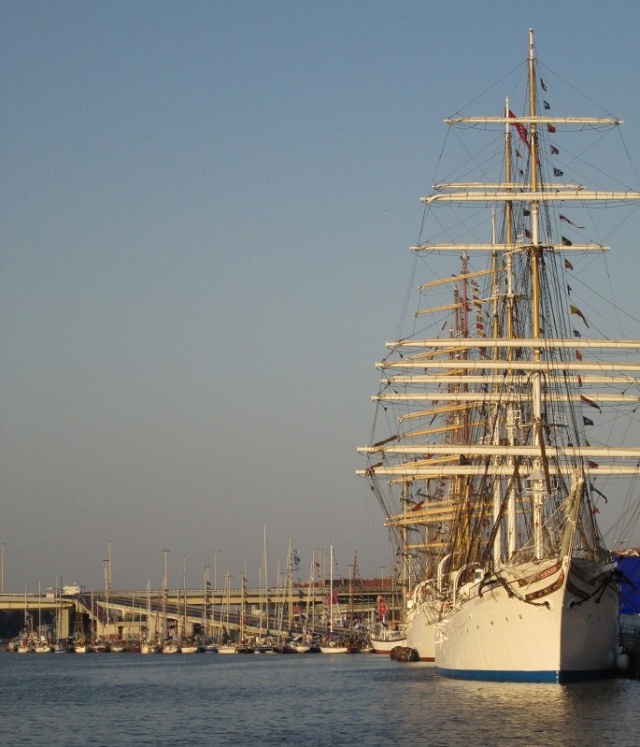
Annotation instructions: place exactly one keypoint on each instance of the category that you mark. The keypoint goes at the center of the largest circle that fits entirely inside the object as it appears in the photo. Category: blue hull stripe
(552, 676)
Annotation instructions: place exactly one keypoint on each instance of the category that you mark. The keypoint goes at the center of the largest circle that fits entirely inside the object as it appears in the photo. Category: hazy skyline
(206, 211)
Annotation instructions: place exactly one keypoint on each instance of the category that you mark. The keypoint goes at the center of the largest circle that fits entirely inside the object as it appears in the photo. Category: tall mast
(331, 588)
(266, 582)
(290, 585)
(536, 478)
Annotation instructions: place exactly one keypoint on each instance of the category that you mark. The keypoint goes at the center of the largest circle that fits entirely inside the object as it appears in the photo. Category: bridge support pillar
(64, 626)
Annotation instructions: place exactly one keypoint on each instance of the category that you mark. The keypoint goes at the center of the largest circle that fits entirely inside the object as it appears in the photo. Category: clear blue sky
(206, 209)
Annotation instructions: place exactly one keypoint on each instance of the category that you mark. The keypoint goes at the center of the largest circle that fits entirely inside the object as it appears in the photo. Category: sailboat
(383, 636)
(496, 462)
(331, 642)
(226, 645)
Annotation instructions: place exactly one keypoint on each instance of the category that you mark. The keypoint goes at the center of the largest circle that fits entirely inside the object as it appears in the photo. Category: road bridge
(127, 614)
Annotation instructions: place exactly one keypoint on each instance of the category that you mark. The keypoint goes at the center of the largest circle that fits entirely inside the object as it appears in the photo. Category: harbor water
(303, 700)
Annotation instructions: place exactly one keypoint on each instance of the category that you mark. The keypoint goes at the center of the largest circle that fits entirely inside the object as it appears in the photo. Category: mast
(39, 610)
(330, 588)
(488, 417)
(243, 602)
(290, 585)
(538, 482)
(205, 602)
(266, 580)
(404, 549)
(58, 610)
(310, 591)
(184, 588)
(352, 583)
(155, 632)
(165, 593)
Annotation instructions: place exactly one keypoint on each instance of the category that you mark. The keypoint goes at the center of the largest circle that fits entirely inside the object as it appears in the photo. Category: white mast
(331, 588)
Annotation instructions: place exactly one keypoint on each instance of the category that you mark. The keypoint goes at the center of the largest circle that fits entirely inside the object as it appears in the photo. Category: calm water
(118, 700)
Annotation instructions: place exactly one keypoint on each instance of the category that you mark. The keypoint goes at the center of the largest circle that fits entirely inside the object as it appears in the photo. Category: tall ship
(504, 414)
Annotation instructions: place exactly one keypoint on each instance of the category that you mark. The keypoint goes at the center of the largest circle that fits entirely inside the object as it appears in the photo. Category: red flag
(522, 130)
(578, 355)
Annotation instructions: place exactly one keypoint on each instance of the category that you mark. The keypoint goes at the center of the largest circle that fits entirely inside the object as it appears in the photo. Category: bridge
(131, 615)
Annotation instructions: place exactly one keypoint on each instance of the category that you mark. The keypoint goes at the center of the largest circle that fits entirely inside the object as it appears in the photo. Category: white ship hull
(384, 645)
(548, 631)
(421, 618)
(421, 632)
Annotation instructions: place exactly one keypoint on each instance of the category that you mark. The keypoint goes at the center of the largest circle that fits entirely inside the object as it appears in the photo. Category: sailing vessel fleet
(487, 458)
(328, 616)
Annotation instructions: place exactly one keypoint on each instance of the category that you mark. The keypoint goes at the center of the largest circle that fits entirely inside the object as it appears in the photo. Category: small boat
(227, 648)
(334, 649)
(149, 647)
(335, 645)
(170, 647)
(303, 644)
(245, 648)
(189, 647)
(383, 638)
(24, 646)
(265, 645)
